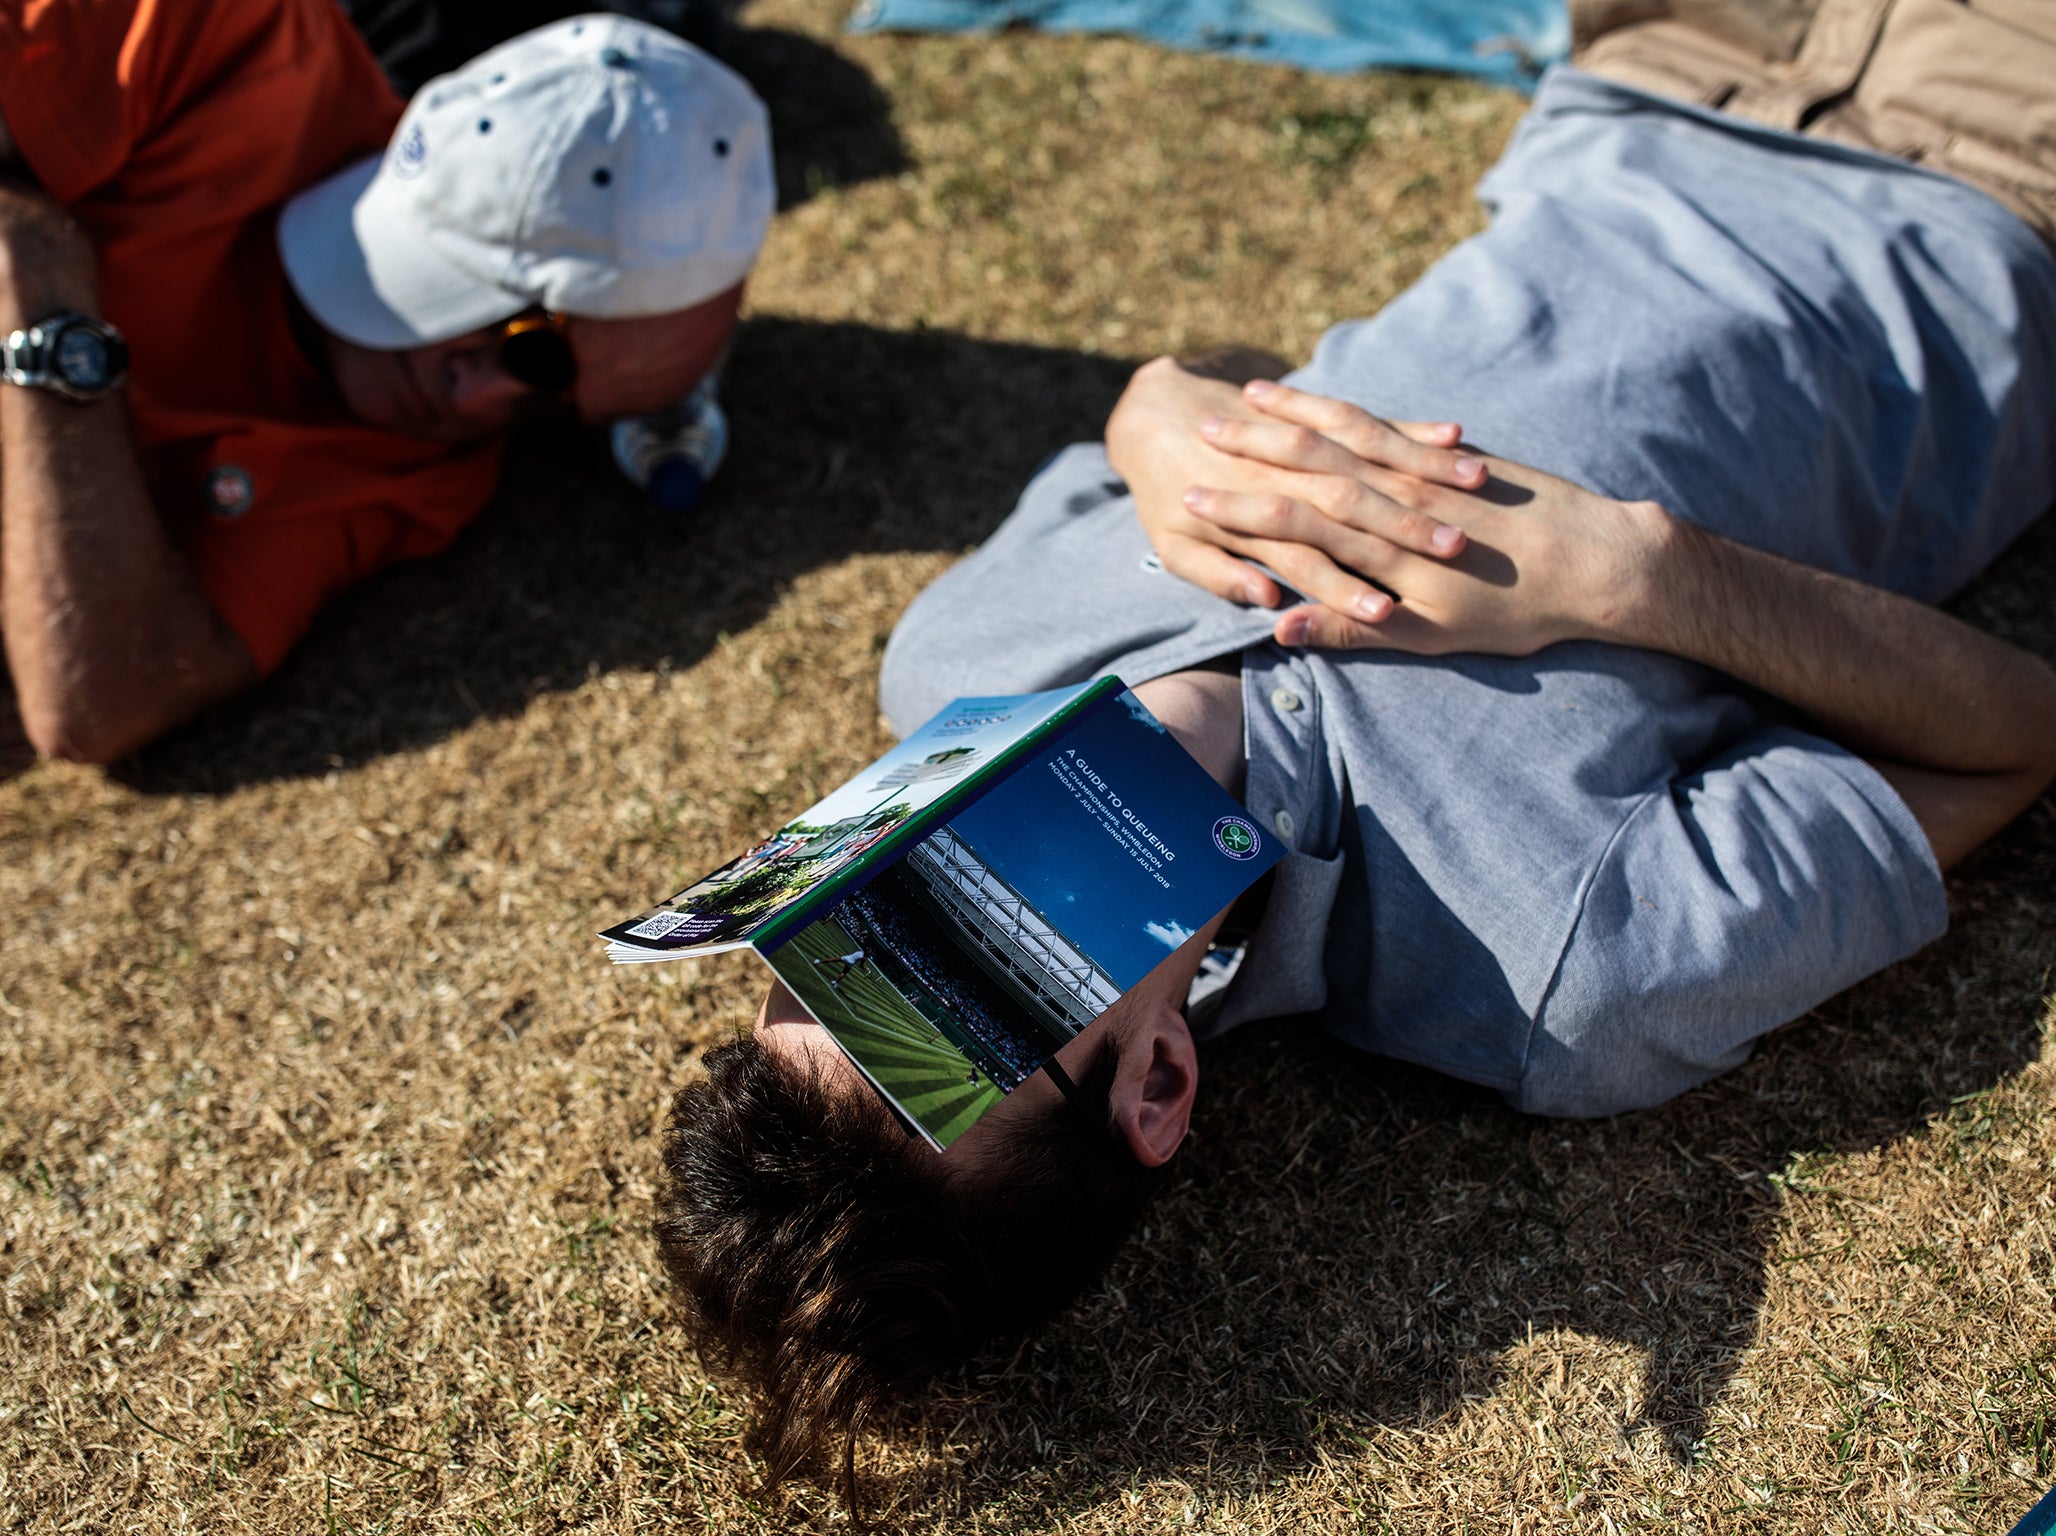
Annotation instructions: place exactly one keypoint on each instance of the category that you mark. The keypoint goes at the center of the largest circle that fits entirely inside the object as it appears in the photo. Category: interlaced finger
(1344, 504)
(1326, 475)
(1214, 569)
(1372, 438)
(1333, 571)
(1315, 626)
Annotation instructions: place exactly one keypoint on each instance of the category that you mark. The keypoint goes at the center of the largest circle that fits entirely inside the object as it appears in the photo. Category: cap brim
(372, 282)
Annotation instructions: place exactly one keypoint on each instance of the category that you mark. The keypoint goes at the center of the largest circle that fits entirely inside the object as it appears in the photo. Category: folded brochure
(971, 901)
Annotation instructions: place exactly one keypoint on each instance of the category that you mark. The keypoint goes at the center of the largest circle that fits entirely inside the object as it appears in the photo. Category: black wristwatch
(69, 354)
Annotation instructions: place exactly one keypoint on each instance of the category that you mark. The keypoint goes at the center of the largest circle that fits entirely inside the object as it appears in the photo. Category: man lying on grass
(1593, 773)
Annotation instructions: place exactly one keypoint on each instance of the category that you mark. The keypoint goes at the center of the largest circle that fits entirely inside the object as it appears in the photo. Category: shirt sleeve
(1781, 873)
(269, 579)
(84, 84)
(323, 513)
(62, 91)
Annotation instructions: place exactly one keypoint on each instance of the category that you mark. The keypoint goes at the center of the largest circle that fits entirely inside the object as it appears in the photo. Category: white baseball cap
(597, 167)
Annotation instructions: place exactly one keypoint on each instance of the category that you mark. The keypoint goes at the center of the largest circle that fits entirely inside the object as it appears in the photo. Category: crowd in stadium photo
(902, 942)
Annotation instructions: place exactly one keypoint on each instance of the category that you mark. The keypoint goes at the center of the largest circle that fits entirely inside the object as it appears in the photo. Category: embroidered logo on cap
(410, 155)
(1237, 838)
(230, 490)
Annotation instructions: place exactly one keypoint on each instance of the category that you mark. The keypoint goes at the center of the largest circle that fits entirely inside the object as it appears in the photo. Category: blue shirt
(1591, 877)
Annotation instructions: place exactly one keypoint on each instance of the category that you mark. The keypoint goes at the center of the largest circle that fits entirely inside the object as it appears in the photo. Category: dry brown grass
(328, 1138)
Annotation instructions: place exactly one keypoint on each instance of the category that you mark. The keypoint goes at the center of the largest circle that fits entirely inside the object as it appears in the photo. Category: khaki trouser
(1967, 87)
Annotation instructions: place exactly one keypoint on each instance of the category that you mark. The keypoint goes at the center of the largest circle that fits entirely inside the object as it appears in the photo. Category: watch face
(80, 358)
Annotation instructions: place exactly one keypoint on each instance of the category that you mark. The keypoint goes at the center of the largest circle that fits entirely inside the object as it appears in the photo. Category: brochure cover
(850, 835)
(969, 903)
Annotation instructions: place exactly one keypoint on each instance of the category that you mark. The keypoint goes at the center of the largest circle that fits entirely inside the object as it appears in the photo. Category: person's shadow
(831, 126)
(846, 439)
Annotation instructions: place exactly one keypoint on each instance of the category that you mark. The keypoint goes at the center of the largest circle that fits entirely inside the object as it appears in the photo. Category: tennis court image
(894, 1041)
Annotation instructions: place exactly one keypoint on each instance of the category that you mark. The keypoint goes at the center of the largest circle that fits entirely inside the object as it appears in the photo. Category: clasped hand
(1397, 534)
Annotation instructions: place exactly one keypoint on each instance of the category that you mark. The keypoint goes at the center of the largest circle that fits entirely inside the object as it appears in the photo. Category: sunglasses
(535, 350)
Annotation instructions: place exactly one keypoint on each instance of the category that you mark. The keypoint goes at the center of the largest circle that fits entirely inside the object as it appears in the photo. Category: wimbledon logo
(1236, 838)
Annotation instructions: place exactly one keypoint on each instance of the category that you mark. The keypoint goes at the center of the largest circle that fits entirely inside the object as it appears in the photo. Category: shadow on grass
(831, 126)
(1352, 1245)
(847, 439)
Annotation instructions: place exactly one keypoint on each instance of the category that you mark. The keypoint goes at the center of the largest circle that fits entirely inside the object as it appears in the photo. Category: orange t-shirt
(173, 130)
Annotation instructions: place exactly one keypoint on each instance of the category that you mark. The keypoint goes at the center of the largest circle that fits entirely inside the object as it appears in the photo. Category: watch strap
(23, 356)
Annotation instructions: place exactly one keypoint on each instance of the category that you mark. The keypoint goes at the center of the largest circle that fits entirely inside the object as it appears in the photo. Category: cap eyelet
(721, 148)
(485, 125)
(602, 176)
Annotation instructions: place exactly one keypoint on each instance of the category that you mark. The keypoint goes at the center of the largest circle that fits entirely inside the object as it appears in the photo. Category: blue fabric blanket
(1510, 41)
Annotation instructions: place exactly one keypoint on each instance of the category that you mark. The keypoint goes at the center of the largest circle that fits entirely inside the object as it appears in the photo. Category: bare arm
(108, 636)
(1961, 724)
(1203, 711)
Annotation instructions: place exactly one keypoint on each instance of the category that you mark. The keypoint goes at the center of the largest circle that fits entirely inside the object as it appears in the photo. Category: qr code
(659, 925)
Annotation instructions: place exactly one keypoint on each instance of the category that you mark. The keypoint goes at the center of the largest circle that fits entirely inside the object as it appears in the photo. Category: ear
(1155, 1080)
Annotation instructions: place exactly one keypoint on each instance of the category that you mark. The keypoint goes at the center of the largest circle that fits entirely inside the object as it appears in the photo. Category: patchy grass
(328, 1141)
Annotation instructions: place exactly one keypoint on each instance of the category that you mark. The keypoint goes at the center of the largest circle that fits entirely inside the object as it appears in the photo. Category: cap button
(614, 58)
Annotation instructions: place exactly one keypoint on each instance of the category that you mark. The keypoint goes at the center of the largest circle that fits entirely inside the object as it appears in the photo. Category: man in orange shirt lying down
(262, 333)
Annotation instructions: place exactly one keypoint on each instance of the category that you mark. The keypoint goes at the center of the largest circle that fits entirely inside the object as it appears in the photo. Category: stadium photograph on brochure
(930, 1030)
(952, 963)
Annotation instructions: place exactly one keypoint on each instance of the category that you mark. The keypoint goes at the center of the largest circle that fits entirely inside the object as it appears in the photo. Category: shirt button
(1283, 822)
(1284, 699)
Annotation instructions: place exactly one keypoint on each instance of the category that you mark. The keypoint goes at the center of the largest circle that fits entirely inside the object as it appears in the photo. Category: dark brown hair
(828, 1261)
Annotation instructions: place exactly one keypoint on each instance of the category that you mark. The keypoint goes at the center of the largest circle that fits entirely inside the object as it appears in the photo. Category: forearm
(106, 630)
(1882, 674)
(108, 636)
(1962, 725)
